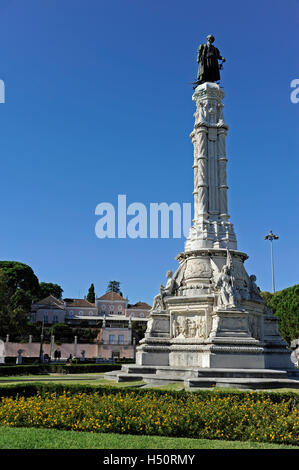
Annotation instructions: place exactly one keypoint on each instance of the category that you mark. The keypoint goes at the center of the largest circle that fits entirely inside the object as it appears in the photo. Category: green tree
(114, 286)
(19, 276)
(62, 332)
(48, 288)
(285, 306)
(13, 312)
(91, 294)
(18, 287)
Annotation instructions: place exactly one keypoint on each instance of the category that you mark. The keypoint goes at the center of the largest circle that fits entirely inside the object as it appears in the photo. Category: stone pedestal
(202, 325)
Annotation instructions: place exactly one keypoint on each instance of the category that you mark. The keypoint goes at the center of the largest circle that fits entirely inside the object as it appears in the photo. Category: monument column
(211, 227)
(202, 174)
(222, 161)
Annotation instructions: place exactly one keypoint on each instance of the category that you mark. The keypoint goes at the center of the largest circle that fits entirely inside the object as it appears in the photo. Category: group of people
(57, 356)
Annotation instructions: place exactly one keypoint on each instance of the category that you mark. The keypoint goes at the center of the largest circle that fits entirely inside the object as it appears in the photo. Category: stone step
(186, 372)
(205, 378)
(245, 373)
(246, 383)
(134, 369)
(123, 377)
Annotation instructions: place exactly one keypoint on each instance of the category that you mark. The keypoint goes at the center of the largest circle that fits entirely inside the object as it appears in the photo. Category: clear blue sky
(98, 103)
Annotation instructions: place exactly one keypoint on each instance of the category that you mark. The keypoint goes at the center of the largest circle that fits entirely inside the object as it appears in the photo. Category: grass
(92, 379)
(31, 438)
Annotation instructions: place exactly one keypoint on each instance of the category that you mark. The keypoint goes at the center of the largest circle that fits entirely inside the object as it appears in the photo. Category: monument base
(204, 335)
(192, 377)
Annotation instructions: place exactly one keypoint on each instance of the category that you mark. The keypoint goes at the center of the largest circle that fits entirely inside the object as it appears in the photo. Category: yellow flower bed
(153, 414)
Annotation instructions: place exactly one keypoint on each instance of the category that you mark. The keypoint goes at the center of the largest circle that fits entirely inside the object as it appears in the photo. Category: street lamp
(272, 237)
(41, 343)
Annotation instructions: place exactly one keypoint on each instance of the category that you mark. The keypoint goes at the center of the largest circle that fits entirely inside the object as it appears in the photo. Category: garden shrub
(214, 415)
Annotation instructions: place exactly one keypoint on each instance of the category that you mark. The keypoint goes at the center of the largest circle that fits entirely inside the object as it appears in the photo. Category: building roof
(111, 296)
(140, 306)
(79, 303)
(50, 301)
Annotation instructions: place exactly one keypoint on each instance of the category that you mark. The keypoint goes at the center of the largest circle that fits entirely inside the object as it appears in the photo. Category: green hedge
(37, 369)
(29, 390)
(225, 415)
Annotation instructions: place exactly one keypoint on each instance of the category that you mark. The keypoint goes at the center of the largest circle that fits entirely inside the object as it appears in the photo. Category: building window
(111, 310)
(90, 313)
(46, 319)
(55, 318)
(71, 313)
(33, 317)
(111, 339)
(120, 339)
(141, 315)
(80, 313)
(103, 309)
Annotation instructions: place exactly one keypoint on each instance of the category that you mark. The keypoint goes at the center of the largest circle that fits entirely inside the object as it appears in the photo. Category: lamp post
(272, 237)
(41, 343)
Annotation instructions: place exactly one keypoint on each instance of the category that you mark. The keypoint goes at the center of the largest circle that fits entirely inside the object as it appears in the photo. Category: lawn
(30, 438)
(88, 379)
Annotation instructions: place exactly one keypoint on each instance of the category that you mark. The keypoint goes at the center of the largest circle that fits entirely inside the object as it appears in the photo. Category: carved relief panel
(188, 326)
(198, 268)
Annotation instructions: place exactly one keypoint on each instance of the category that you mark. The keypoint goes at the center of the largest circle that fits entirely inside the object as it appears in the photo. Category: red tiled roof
(111, 296)
(140, 306)
(78, 303)
(51, 301)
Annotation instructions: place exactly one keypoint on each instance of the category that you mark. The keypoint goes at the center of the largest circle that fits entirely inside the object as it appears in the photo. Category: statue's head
(252, 278)
(169, 274)
(210, 38)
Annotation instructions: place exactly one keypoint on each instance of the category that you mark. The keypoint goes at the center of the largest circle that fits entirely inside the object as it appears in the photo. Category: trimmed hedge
(37, 369)
(207, 415)
(30, 390)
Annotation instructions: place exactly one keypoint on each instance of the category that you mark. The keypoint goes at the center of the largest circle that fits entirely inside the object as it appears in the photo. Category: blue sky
(98, 103)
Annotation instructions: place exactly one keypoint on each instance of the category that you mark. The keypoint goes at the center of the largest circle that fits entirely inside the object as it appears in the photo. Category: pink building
(111, 310)
(115, 342)
(49, 310)
(111, 303)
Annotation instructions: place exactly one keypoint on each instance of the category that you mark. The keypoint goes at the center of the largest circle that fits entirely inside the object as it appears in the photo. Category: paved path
(51, 378)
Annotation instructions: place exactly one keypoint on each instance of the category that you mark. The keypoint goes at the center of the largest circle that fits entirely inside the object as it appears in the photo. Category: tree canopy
(114, 286)
(285, 306)
(48, 288)
(19, 287)
(91, 294)
(19, 277)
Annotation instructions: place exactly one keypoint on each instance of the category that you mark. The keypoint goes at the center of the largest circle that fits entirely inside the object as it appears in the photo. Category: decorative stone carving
(159, 304)
(198, 268)
(228, 295)
(188, 326)
(201, 113)
(254, 290)
(254, 326)
(172, 285)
